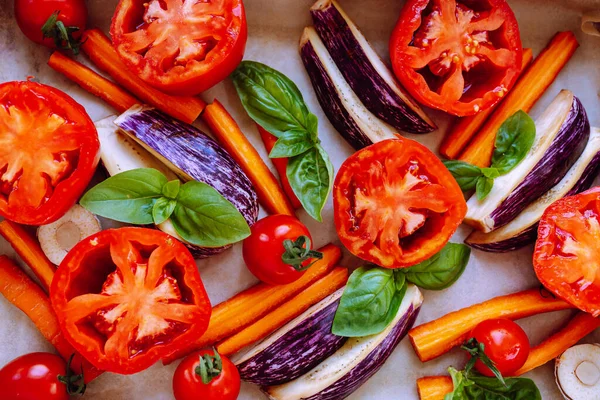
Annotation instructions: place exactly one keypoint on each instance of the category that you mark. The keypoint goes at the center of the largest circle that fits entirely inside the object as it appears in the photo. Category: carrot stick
(249, 306)
(465, 128)
(280, 165)
(434, 387)
(92, 82)
(285, 313)
(235, 142)
(523, 95)
(30, 252)
(24, 294)
(98, 47)
(437, 337)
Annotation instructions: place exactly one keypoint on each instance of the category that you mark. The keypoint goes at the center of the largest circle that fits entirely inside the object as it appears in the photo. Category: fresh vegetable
(364, 71)
(127, 297)
(183, 47)
(274, 102)
(295, 348)
(395, 204)
(99, 49)
(206, 375)
(565, 256)
(442, 270)
(522, 230)
(456, 57)
(562, 133)
(474, 387)
(523, 96)
(47, 168)
(590, 23)
(355, 362)
(434, 387)
(578, 372)
(286, 312)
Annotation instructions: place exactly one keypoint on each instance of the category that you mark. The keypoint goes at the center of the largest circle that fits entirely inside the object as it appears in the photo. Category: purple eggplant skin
(296, 352)
(361, 75)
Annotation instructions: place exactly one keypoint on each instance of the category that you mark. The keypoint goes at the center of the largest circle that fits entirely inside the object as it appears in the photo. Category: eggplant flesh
(562, 133)
(365, 72)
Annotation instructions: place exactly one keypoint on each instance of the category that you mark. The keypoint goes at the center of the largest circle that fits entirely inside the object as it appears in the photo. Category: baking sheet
(274, 30)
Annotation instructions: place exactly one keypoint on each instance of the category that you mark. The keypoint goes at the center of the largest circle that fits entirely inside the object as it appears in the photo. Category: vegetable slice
(578, 372)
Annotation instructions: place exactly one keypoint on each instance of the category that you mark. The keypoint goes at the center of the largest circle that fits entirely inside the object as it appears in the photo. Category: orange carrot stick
(92, 82)
(523, 95)
(465, 128)
(437, 337)
(285, 313)
(247, 307)
(99, 49)
(30, 252)
(434, 387)
(235, 142)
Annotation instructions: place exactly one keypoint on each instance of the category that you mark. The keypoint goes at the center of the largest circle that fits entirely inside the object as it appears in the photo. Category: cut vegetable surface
(578, 372)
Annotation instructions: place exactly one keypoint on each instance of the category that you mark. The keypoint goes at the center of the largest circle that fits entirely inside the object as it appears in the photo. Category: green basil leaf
(485, 388)
(292, 143)
(460, 382)
(466, 175)
(442, 270)
(205, 218)
(491, 173)
(484, 187)
(171, 189)
(311, 178)
(369, 303)
(513, 141)
(126, 197)
(162, 210)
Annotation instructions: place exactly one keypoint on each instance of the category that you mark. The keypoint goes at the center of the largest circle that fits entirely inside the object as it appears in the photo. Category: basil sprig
(199, 214)
(513, 141)
(274, 102)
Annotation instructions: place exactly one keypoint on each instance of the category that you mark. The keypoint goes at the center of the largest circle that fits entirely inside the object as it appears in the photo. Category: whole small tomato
(206, 375)
(278, 249)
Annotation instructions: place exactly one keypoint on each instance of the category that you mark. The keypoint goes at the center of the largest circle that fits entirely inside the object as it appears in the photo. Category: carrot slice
(434, 387)
(523, 95)
(92, 82)
(228, 133)
(465, 128)
(249, 306)
(285, 313)
(99, 49)
(437, 337)
(24, 294)
(30, 252)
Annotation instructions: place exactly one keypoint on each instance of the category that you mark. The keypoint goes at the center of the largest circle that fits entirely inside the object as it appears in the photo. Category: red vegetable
(127, 297)
(456, 55)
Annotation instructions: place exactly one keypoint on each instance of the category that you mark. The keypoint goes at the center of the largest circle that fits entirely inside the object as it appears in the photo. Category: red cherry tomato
(505, 343)
(33, 377)
(188, 385)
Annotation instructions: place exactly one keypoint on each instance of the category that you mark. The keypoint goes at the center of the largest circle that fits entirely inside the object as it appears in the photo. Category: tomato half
(49, 150)
(183, 47)
(395, 203)
(567, 252)
(127, 297)
(34, 376)
(457, 56)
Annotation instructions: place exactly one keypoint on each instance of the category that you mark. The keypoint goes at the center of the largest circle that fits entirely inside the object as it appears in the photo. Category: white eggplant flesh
(577, 372)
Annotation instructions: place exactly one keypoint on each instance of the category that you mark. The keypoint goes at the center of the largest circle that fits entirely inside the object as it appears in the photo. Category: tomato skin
(187, 385)
(263, 249)
(34, 376)
(505, 343)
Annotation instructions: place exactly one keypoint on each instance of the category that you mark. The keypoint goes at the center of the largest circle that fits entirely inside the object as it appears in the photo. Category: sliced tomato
(182, 47)
(49, 150)
(459, 56)
(567, 251)
(127, 297)
(395, 203)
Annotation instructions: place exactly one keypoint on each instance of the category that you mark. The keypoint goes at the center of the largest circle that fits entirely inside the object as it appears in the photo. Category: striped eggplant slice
(522, 230)
(365, 72)
(562, 133)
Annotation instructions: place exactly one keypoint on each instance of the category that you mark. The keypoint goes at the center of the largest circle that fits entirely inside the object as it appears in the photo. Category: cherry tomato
(34, 377)
(505, 343)
(188, 385)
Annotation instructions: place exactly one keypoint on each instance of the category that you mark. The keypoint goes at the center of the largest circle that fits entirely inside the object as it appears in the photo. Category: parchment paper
(275, 27)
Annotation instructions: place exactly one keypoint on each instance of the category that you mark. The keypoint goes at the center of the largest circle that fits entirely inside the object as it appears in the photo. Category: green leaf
(513, 141)
(442, 270)
(311, 178)
(292, 143)
(484, 187)
(171, 189)
(491, 173)
(477, 387)
(369, 303)
(466, 175)
(126, 197)
(205, 218)
(162, 210)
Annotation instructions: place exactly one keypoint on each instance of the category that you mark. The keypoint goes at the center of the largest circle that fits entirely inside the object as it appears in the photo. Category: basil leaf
(292, 143)
(442, 270)
(205, 218)
(162, 210)
(477, 387)
(484, 187)
(460, 382)
(466, 175)
(491, 173)
(171, 189)
(126, 197)
(513, 141)
(369, 303)
(311, 178)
